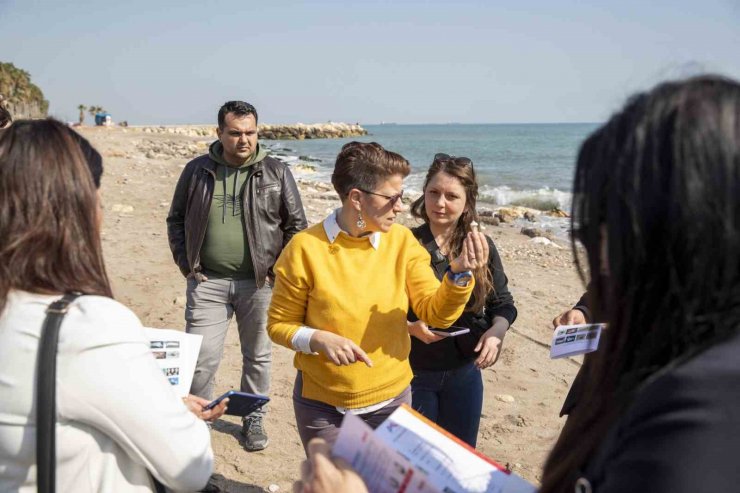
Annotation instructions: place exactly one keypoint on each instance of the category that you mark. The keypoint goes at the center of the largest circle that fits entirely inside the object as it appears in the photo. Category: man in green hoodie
(232, 213)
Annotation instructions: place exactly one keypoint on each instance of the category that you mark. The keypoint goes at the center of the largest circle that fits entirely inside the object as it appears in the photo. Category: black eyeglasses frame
(392, 199)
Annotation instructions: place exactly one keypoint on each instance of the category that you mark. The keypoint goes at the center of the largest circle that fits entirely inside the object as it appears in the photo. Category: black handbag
(46, 404)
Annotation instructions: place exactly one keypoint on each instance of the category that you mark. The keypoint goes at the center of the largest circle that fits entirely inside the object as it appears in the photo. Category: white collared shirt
(332, 230)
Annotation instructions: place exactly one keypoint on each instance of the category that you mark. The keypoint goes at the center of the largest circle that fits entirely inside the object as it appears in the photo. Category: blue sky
(396, 61)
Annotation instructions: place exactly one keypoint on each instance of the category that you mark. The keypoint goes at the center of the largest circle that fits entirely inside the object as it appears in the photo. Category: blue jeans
(451, 398)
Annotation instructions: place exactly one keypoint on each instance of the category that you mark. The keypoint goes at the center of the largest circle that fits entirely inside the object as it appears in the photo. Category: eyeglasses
(391, 198)
(441, 157)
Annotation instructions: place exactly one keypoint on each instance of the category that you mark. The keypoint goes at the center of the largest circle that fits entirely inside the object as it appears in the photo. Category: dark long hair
(657, 207)
(465, 174)
(49, 237)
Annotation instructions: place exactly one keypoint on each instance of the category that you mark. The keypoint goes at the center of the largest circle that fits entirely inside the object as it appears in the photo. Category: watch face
(462, 278)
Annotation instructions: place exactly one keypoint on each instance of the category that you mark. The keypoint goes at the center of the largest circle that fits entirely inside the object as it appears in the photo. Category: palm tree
(82, 109)
(93, 110)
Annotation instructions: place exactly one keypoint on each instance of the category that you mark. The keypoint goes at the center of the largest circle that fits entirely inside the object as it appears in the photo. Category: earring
(360, 221)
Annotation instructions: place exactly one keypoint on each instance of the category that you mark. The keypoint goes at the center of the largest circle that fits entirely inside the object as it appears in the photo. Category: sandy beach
(523, 391)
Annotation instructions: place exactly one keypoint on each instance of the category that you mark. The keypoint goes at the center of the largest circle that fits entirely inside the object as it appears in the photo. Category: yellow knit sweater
(349, 288)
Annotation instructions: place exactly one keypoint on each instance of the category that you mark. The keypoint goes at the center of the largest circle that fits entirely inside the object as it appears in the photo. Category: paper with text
(408, 453)
(176, 353)
(570, 340)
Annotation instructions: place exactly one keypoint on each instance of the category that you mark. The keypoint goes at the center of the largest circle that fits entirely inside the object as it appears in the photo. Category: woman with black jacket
(656, 207)
(447, 386)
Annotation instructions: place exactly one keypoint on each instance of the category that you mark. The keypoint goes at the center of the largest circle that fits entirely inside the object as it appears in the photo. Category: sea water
(516, 164)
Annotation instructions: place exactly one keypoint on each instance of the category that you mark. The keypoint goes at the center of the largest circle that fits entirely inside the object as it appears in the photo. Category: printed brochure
(176, 353)
(410, 454)
(571, 340)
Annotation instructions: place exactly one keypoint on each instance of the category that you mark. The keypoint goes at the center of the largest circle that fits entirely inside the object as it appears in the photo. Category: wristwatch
(460, 278)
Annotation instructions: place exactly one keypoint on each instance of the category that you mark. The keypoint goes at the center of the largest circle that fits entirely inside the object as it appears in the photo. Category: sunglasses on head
(441, 157)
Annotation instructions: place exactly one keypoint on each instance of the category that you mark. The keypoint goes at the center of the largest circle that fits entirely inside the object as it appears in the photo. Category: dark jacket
(576, 388)
(681, 433)
(272, 207)
(454, 352)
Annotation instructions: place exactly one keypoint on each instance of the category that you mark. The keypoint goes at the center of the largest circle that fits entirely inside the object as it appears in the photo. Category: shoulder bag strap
(46, 397)
(46, 408)
(46, 403)
(426, 238)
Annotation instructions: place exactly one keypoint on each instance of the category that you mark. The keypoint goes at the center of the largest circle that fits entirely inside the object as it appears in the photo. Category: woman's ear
(353, 198)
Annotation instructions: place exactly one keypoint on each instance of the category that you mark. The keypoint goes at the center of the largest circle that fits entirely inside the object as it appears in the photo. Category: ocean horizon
(527, 164)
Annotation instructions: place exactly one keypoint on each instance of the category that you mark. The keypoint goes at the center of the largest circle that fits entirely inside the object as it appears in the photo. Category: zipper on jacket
(196, 261)
(259, 277)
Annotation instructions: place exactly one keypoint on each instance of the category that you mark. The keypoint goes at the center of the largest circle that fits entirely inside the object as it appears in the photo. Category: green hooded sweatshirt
(225, 249)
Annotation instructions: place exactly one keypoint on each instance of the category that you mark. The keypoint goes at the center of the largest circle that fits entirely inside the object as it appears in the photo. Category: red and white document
(410, 454)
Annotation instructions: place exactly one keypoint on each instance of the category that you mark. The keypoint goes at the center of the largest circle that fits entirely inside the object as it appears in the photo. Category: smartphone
(240, 403)
(451, 332)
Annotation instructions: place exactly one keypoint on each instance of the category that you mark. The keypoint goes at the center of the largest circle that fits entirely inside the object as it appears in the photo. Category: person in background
(447, 387)
(233, 211)
(579, 314)
(656, 208)
(118, 419)
(343, 288)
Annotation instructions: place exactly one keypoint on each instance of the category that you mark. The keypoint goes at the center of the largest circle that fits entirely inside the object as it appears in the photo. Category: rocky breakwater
(300, 131)
(297, 131)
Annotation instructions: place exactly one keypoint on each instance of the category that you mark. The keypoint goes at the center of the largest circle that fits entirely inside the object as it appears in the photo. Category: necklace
(442, 239)
(443, 248)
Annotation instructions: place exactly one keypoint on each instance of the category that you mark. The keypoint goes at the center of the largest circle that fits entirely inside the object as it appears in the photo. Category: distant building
(103, 119)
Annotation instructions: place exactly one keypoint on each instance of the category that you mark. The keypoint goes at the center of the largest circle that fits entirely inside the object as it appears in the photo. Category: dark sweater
(454, 352)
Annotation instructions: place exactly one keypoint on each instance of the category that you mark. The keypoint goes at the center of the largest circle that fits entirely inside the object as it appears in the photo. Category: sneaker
(254, 433)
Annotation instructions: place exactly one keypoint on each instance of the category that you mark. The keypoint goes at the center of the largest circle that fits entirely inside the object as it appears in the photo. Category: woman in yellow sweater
(342, 290)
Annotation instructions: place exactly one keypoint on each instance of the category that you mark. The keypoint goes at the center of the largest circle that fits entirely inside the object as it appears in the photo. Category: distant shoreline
(295, 131)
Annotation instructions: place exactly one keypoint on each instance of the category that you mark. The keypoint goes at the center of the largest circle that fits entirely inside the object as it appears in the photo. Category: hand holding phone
(199, 407)
(451, 332)
(240, 403)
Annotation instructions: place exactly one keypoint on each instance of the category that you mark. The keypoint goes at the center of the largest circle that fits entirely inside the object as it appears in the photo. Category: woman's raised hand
(474, 253)
(340, 350)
